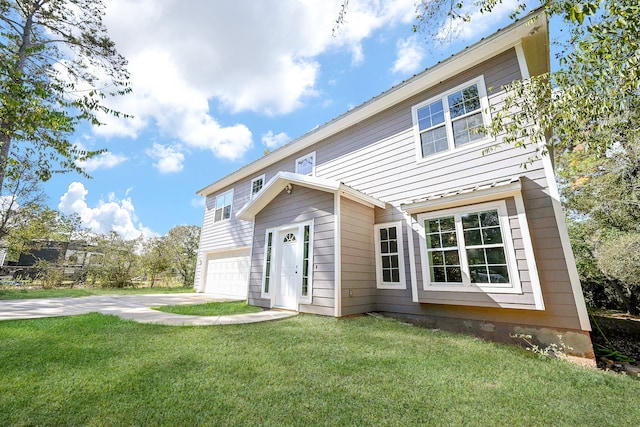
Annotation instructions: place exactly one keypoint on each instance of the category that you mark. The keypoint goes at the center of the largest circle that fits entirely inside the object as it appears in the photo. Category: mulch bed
(622, 331)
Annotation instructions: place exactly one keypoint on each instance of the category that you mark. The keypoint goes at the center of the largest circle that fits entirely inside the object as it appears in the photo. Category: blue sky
(215, 83)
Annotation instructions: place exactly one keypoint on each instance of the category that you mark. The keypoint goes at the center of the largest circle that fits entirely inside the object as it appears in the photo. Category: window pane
(479, 274)
(489, 218)
(449, 239)
(451, 258)
(436, 258)
(433, 141)
(386, 261)
(227, 212)
(392, 233)
(447, 223)
(496, 256)
(472, 237)
(468, 129)
(432, 225)
(499, 274)
(433, 241)
(431, 115)
(464, 101)
(217, 215)
(395, 275)
(492, 235)
(394, 261)
(393, 246)
(470, 221)
(437, 274)
(454, 275)
(476, 256)
(219, 202)
(386, 275)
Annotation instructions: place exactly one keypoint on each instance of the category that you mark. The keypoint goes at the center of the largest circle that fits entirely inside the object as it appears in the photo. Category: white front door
(288, 273)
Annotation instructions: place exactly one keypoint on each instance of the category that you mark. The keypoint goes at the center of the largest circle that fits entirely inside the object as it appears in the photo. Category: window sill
(483, 143)
(474, 289)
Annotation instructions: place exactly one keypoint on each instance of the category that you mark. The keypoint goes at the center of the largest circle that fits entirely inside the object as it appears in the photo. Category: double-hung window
(468, 247)
(389, 255)
(256, 185)
(223, 206)
(306, 165)
(451, 120)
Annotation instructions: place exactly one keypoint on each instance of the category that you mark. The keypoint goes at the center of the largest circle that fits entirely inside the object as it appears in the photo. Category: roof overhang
(532, 27)
(284, 180)
(467, 195)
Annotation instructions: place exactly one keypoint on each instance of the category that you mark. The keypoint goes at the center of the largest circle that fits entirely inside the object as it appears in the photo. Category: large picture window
(389, 255)
(223, 206)
(451, 120)
(468, 247)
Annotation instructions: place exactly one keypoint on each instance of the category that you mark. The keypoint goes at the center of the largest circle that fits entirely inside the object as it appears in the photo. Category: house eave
(504, 39)
(279, 183)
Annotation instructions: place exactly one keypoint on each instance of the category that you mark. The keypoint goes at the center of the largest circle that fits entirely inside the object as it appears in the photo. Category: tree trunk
(5, 141)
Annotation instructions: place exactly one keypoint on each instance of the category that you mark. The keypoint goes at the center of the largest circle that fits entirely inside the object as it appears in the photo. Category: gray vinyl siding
(301, 205)
(358, 264)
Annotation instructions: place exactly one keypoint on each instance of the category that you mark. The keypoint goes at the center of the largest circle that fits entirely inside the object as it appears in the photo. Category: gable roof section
(506, 38)
(279, 182)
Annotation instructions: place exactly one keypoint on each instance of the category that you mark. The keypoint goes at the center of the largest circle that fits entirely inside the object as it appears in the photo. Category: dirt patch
(623, 334)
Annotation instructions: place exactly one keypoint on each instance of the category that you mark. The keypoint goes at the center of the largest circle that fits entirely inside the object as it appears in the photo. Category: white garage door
(228, 274)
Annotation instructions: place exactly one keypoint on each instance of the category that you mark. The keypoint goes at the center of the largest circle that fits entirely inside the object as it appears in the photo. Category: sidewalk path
(131, 307)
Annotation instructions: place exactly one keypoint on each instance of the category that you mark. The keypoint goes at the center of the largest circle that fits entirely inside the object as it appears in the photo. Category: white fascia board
(278, 183)
(484, 49)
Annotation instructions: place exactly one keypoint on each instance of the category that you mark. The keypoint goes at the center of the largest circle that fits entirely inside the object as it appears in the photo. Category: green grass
(101, 370)
(210, 308)
(14, 293)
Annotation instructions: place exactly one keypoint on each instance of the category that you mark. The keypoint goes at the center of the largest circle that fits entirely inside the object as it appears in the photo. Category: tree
(57, 66)
(155, 258)
(115, 261)
(182, 245)
(619, 259)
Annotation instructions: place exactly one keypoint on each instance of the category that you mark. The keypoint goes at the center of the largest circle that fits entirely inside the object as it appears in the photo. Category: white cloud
(229, 54)
(479, 23)
(198, 202)
(169, 158)
(410, 55)
(275, 141)
(112, 215)
(106, 160)
(103, 161)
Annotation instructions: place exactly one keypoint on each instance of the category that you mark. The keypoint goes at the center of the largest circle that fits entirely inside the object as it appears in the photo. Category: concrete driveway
(130, 307)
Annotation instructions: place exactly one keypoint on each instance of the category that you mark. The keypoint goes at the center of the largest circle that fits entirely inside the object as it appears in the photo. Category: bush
(619, 259)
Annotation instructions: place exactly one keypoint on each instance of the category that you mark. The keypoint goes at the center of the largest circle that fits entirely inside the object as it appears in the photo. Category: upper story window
(468, 247)
(452, 119)
(256, 185)
(306, 165)
(223, 206)
(389, 255)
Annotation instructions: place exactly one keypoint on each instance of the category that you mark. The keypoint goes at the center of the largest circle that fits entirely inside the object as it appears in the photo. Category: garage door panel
(228, 274)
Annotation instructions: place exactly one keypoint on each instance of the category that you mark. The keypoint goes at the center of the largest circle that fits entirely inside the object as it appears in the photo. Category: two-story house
(394, 208)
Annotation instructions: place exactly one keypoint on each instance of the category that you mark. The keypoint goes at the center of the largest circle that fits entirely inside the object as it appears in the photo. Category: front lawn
(15, 292)
(307, 370)
(210, 308)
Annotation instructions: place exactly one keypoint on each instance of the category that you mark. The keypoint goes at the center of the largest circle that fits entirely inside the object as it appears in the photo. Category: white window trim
(251, 185)
(274, 257)
(514, 286)
(402, 284)
(486, 119)
(311, 155)
(215, 207)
